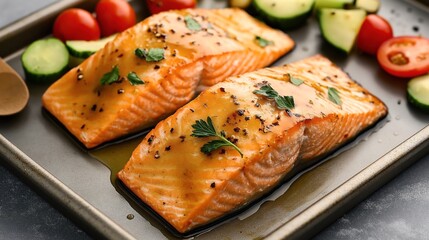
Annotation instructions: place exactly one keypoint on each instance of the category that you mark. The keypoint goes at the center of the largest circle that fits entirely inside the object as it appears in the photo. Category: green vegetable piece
(192, 24)
(110, 77)
(151, 55)
(295, 81)
(334, 96)
(283, 102)
(134, 79)
(262, 42)
(206, 129)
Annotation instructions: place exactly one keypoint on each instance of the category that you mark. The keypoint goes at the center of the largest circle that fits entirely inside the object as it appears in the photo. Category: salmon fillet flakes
(190, 188)
(150, 70)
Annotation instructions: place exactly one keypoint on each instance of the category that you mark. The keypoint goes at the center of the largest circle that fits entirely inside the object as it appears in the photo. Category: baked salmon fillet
(279, 118)
(150, 70)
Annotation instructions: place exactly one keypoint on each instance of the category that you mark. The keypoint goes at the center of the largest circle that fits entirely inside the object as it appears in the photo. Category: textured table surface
(396, 211)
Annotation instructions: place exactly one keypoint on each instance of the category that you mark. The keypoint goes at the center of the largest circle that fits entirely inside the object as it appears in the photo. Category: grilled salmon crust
(189, 188)
(201, 48)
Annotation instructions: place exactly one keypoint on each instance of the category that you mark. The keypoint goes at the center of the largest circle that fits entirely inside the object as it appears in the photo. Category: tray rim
(310, 221)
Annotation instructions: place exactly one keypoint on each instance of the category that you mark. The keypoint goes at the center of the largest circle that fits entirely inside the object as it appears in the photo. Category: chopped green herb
(295, 81)
(110, 77)
(206, 129)
(262, 42)
(192, 24)
(134, 79)
(283, 102)
(151, 55)
(334, 96)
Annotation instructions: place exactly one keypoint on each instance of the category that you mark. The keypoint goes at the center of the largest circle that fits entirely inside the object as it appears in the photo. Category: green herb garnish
(134, 79)
(295, 81)
(110, 77)
(151, 55)
(334, 96)
(283, 102)
(206, 129)
(262, 42)
(192, 24)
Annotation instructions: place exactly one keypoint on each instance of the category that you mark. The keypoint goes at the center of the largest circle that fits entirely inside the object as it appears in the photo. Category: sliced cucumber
(340, 27)
(84, 49)
(371, 6)
(284, 14)
(45, 60)
(418, 92)
(333, 3)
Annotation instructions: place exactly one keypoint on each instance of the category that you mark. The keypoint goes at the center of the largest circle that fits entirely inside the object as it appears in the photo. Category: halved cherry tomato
(405, 56)
(374, 31)
(114, 16)
(156, 6)
(76, 24)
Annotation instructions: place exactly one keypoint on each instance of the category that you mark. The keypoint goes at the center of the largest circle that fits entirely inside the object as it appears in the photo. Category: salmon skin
(190, 188)
(175, 54)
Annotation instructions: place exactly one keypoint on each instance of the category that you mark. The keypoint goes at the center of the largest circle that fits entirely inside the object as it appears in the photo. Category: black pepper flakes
(237, 129)
(240, 112)
(150, 139)
(171, 130)
(83, 126)
(94, 107)
(182, 138)
(101, 110)
(156, 67)
(192, 110)
(168, 148)
(213, 185)
(222, 89)
(120, 91)
(247, 118)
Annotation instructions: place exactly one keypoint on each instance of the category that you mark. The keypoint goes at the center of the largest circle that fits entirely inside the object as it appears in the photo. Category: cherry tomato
(405, 56)
(156, 6)
(374, 31)
(76, 24)
(114, 16)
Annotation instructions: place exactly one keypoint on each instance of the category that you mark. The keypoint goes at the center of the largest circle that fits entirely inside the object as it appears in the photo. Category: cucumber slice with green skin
(333, 4)
(418, 92)
(45, 60)
(371, 6)
(84, 49)
(340, 27)
(283, 14)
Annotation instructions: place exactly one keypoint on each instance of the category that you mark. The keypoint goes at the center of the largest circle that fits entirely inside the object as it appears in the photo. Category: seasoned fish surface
(180, 53)
(189, 188)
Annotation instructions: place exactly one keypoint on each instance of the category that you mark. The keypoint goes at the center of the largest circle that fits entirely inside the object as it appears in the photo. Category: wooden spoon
(14, 93)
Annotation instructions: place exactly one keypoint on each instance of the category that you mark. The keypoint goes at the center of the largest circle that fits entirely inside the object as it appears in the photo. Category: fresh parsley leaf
(192, 24)
(110, 77)
(295, 81)
(151, 55)
(213, 145)
(262, 42)
(134, 79)
(267, 91)
(283, 102)
(333, 95)
(203, 128)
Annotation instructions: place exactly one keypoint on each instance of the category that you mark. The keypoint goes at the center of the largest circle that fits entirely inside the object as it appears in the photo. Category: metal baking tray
(80, 186)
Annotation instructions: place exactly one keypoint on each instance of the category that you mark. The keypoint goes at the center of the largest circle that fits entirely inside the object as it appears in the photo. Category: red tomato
(114, 16)
(156, 6)
(374, 31)
(406, 56)
(76, 24)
